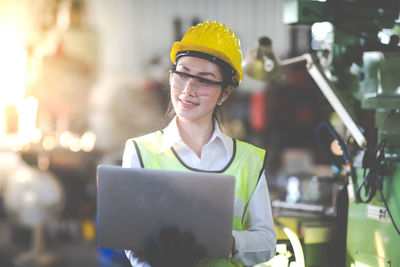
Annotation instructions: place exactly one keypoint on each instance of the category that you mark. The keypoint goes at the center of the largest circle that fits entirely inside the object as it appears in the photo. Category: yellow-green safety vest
(246, 165)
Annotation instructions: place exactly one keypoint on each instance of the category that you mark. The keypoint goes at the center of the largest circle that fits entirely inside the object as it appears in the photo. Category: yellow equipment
(215, 39)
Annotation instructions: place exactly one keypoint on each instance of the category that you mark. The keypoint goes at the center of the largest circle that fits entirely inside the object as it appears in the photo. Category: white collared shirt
(254, 245)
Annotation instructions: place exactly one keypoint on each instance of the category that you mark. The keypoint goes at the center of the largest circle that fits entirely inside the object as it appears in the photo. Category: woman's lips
(186, 102)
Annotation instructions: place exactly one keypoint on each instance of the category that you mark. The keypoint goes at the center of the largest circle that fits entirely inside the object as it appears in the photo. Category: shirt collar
(171, 137)
(219, 136)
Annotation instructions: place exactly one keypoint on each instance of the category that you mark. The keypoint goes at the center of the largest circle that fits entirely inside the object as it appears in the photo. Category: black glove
(171, 248)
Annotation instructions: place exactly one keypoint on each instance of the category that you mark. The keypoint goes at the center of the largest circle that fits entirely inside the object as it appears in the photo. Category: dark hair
(227, 76)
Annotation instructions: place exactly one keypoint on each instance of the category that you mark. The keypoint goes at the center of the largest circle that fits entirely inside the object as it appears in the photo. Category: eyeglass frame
(206, 81)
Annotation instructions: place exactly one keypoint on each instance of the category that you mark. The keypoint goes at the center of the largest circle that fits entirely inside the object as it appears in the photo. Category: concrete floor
(64, 251)
(68, 255)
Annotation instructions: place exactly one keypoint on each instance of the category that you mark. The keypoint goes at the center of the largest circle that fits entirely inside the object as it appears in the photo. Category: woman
(207, 66)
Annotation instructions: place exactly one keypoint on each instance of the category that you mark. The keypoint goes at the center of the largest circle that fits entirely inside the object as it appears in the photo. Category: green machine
(361, 57)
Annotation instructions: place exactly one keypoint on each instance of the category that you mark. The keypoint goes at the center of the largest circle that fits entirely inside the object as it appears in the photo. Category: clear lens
(201, 86)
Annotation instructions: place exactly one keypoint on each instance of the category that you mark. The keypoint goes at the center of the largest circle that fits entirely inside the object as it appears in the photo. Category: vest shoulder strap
(250, 152)
(146, 146)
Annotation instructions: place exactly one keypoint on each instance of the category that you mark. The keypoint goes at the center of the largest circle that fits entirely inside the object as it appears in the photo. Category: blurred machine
(356, 65)
(33, 198)
(365, 68)
(49, 189)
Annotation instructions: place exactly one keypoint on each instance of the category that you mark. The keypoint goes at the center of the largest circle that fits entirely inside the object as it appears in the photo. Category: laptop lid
(133, 204)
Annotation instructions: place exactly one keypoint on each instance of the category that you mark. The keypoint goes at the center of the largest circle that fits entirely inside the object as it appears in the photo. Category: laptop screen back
(133, 204)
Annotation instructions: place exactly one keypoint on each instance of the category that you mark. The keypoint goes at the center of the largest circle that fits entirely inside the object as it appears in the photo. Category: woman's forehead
(198, 66)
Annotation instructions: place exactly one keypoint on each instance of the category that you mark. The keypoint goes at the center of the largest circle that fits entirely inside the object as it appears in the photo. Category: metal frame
(331, 94)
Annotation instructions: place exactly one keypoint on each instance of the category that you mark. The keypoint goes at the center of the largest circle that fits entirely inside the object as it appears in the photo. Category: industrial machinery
(356, 66)
(366, 71)
(34, 199)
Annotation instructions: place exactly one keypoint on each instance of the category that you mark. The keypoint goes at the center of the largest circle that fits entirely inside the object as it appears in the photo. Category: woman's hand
(171, 248)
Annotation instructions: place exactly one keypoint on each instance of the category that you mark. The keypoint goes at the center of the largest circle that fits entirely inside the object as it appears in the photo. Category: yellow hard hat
(215, 39)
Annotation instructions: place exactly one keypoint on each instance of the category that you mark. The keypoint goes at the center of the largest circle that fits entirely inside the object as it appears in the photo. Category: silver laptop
(133, 204)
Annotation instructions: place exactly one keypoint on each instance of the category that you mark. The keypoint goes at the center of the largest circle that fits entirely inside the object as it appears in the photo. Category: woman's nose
(188, 87)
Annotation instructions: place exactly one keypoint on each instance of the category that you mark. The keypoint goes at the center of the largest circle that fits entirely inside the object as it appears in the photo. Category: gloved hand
(171, 248)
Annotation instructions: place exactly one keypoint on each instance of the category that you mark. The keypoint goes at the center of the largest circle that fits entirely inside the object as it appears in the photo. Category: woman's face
(194, 99)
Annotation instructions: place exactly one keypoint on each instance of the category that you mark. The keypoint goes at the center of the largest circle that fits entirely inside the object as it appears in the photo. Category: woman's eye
(203, 81)
(181, 75)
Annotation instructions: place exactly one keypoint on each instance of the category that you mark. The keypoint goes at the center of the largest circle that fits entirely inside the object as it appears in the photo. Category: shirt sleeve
(130, 157)
(257, 243)
(135, 262)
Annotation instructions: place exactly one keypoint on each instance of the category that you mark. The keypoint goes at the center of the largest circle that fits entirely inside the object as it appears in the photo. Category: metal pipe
(329, 91)
(331, 94)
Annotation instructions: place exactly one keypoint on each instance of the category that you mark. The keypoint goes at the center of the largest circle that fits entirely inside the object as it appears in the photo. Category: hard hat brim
(185, 46)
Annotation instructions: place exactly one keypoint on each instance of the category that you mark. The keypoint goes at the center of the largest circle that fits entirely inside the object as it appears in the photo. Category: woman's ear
(226, 92)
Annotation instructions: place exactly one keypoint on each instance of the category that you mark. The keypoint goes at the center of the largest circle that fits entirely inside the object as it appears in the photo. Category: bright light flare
(321, 30)
(12, 67)
(88, 141)
(27, 119)
(13, 57)
(65, 137)
(49, 143)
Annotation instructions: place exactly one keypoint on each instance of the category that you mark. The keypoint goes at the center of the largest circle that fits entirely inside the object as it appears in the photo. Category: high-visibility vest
(246, 165)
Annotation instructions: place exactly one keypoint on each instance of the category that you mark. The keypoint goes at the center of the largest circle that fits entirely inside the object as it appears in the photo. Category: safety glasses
(201, 86)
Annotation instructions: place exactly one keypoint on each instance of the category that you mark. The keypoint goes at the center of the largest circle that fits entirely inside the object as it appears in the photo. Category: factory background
(79, 77)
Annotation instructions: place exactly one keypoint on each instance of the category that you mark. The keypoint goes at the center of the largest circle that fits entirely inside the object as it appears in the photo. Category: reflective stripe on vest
(246, 165)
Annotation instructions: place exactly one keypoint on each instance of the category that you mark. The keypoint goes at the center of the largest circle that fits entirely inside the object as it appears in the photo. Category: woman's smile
(187, 103)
